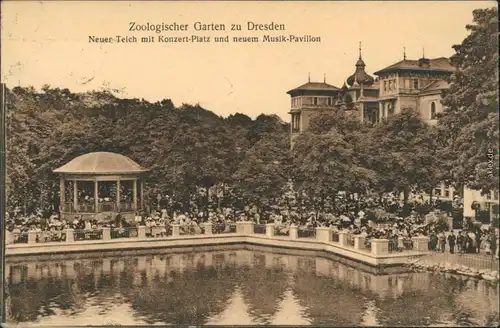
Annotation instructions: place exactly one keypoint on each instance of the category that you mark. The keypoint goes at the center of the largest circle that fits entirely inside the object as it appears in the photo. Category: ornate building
(416, 84)
(408, 83)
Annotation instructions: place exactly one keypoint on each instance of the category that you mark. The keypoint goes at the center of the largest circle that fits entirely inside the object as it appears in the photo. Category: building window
(437, 192)
(495, 195)
(415, 84)
(295, 123)
(447, 193)
(488, 196)
(385, 86)
(329, 101)
(433, 111)
(315, 100)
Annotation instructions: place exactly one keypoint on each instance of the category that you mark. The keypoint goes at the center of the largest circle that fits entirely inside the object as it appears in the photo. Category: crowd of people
(373, 217)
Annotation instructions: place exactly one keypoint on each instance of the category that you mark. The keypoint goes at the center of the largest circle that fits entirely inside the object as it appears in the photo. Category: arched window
(433, 111)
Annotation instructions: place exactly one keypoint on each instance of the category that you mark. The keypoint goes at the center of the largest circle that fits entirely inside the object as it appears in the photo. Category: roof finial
(423, 52)
(359, 49)
(404, 53)
(324, 78)
(309, 77)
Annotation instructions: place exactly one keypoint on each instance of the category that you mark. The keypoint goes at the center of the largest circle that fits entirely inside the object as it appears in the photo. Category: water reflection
(239, 287)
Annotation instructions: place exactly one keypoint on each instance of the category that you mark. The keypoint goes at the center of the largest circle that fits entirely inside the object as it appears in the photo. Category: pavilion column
(142, 194)
(96, 196)
(75, 195)
(62, 194)
(118, 196)
(135, 195)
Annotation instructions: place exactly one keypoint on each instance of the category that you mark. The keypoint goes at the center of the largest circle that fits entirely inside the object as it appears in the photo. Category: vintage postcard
(222, 163)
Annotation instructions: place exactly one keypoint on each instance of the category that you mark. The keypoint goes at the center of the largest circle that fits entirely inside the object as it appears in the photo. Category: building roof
(441, 64)
(314, 86)
(360, 76)
(437, 85)
(101, 163)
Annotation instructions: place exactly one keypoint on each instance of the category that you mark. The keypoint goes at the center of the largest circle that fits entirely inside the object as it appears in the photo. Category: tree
(469, 123)
(402, 148)
(263, 172)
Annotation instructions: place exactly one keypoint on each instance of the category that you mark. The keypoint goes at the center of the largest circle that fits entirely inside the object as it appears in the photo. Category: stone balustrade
(379, 247)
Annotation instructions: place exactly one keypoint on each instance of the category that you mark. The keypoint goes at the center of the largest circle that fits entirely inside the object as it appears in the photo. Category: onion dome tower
(360, 77)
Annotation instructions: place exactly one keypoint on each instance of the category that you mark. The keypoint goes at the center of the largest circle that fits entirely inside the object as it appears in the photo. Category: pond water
(239, 286)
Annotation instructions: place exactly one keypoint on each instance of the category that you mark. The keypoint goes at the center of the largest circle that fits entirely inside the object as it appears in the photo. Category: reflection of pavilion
(100, 182)
(236, 313)
(290, 311)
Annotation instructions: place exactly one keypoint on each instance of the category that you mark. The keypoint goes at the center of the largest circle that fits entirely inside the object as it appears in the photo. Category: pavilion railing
(101, 207)
(223, 228)
(259, 228)
(124, 232)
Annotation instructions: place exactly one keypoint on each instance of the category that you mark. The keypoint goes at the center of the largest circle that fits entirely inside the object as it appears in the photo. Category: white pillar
(70, 235)
(359, 242)
(106, 233)
(324, 234)
(343, 238)
(32, 237)
(75, 195)
(294, 232)
(208, 228)
(176, 230)
(96, 196)
(62, 194)
(380, 247)
(141, 232)
(135, 195)
(420, 244)
(118, 195)
(270, 229)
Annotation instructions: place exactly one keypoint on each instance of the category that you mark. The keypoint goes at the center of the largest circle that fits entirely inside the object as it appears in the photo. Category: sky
(48, 43)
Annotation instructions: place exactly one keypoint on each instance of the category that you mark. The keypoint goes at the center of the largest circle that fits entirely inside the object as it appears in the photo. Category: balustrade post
(8, 237)
(106, 233)
(324, 234)
(380, 247)
(420, 244)
(208, 228)
(343, 238)
(32, 237)
(141, 232)
(359, 242)
(270, 229)
(70, 235)
(294, 232)
(244, 227)
(176, 230)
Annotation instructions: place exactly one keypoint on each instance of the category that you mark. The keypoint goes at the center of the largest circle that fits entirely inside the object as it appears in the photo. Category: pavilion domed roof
(101, 163)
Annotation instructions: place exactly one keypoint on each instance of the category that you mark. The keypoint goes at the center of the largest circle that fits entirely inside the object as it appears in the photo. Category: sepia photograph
(249, 163)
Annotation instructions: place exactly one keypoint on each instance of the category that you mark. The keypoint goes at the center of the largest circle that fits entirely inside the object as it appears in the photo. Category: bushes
(441, 224)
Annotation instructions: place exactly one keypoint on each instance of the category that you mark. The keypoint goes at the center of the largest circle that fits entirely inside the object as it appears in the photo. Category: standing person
(451, 242)
(460, 242)
(442, 242)
(478, 240)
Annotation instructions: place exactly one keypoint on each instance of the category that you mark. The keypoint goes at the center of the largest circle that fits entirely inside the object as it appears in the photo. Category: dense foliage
(188, 147)
(469, 124)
